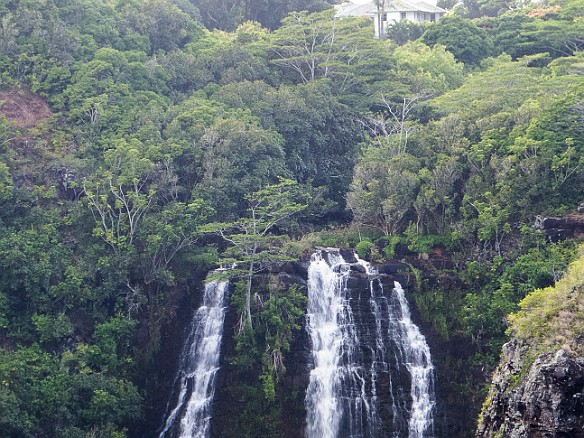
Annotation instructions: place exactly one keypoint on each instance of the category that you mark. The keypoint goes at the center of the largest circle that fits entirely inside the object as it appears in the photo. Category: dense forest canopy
(129, 130)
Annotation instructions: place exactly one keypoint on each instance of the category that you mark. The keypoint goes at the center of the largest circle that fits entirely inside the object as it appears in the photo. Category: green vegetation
(552, 318)
(253, 246)
(134, 133)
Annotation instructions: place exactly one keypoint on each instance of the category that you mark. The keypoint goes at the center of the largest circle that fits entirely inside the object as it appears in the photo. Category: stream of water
(372, 374)
(194, 384)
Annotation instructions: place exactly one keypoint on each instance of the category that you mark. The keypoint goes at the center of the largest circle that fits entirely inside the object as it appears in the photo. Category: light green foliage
(279, 320)
(428, 70)
(318, 46)
(6, 187)
(551, 318)
(120, 194)
(518, 144)
(504, 85)
(421, 243)
(492, 221)
(168, 232)
(52, 329)
(363, 249)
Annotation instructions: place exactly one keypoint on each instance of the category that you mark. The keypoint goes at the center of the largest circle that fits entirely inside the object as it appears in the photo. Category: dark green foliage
(48, 396)
(491, 291)
(404, 31)
(228, 14)
(257, 366)
(389, 244)
(554, 30)
(319, 135)
(270, 13)
(467, 42)
(423, 243)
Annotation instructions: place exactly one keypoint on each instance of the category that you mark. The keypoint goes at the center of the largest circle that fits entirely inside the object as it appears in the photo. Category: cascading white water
(416, 356)
(372, 374)
(194, 385)
(325, 315)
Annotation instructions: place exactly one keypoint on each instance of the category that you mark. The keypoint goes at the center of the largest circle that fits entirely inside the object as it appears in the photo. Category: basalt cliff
(538, 388)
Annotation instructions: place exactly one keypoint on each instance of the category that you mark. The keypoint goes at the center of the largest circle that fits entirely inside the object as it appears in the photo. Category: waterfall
(416, 355)
(194, 385)
(372, 373)
(333, 336)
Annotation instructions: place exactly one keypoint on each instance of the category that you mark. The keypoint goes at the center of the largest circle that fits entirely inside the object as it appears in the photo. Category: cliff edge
(538, 388)
(548, 402)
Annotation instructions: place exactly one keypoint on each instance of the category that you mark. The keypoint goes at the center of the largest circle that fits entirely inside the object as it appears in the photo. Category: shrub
(363, 249)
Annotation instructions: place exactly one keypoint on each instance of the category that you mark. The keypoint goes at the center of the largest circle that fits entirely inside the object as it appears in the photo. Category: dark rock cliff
(235, 407)
(547, 402)
(290, 415)
(538, 388)
(561, 228)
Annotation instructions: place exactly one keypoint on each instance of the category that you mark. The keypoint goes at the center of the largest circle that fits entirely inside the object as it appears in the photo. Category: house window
(432, 17)
(403, 15)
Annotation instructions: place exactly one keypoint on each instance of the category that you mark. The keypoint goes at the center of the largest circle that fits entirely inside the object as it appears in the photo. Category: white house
(390, 11)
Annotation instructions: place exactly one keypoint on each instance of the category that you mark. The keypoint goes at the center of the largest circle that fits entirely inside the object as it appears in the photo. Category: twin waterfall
(372, 375)
(194, 385)
(371, 372)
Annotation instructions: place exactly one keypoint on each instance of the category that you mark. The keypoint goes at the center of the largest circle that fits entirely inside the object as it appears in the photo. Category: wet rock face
(296, 379)
(547, 402)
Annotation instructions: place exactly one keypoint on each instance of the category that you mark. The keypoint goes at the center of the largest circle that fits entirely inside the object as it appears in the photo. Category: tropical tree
(252, 245)
(121, 193)
(321, 45)
(429, 71)
(404, 31)
(465, 40)
(383, 189)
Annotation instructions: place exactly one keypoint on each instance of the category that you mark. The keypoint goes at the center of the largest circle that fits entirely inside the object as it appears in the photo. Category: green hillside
(139, 138)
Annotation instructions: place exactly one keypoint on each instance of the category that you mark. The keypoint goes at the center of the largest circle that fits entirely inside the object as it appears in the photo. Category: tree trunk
(248, 296)
(248, 290)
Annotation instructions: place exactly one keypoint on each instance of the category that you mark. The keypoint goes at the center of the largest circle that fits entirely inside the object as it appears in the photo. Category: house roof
(367, 8)
(355, 9)
(419, 6)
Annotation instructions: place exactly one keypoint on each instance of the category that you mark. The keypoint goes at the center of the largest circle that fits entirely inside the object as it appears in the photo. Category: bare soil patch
(23, 108)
